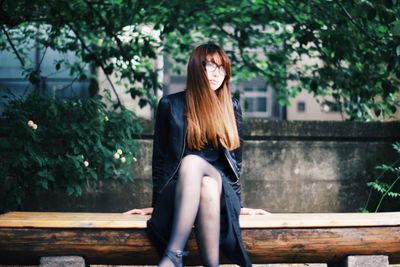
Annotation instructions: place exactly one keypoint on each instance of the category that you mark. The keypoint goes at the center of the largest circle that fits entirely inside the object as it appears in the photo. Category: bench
(114, 238)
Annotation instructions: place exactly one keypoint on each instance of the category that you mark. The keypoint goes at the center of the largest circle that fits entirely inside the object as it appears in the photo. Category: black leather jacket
(169, 143)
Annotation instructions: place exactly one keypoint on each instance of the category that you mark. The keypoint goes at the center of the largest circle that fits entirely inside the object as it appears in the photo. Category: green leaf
(44, 184)
(109, 69)
(70, 190)
(396, 146)
(43, 173)
(393, 194)
(143, 102)
(78, 190)
(384, 167)
(396, 28)
(93, 174)
(381, 29)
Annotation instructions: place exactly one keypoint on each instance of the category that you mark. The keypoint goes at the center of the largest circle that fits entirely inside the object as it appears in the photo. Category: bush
(385, 189)
(65, 144)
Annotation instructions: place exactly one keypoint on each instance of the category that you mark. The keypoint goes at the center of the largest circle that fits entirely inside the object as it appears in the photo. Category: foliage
(354, 46)
(387, 185)
(357, 52)
(66, 144)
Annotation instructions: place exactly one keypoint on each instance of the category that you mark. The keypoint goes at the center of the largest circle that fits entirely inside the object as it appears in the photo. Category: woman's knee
(210, 188)
(189, 166)
(194, 167)
(189, 161)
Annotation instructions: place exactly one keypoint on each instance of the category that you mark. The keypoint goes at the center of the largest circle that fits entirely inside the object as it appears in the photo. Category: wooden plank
(72, 220)
(131, 246)
(118, 220)
(322, 245)
(299, 220)
(115, 238)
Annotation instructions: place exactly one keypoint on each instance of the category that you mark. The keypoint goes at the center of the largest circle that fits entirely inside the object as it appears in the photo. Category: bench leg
(62, 261)
(363, 261)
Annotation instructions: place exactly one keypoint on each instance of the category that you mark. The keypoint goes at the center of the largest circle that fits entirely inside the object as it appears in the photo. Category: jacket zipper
(233, 169)
(180, 160)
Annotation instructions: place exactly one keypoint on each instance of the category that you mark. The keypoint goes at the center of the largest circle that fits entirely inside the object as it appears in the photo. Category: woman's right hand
(145, 211)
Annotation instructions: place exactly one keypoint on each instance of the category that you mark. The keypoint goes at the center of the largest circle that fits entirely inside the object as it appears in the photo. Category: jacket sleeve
(161, 132)
(239, 125)
(238, 152)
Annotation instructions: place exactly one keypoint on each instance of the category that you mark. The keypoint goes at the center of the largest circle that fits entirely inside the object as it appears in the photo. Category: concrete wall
(289, 166)
(313, 166)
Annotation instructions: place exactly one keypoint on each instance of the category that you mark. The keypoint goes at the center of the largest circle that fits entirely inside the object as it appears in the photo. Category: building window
(257, 101)
(255, 104)
(301, 106)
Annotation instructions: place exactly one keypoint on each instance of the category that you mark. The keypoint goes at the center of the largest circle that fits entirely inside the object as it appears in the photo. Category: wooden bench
(111, 238)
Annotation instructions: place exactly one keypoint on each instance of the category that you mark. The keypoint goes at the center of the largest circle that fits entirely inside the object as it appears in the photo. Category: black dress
(160, 224)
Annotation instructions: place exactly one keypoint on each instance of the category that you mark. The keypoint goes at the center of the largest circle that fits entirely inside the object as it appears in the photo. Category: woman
(197, 158)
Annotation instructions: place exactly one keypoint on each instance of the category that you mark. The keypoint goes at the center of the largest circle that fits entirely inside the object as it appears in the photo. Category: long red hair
(210, 116)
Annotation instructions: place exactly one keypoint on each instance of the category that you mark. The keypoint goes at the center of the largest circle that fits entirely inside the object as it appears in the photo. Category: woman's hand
(249, 211)
(145, 211)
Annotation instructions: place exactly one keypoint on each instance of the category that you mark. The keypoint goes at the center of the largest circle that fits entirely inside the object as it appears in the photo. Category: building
(58, 83)
(257, 98)
(259, 101)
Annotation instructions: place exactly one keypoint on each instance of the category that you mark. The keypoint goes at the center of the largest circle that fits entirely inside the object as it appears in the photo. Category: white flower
(86, 163)
(119, 151)
(106, 118)
(134, 159)
(34, 126)
(30, 123)
(116, 156)
(123, 159)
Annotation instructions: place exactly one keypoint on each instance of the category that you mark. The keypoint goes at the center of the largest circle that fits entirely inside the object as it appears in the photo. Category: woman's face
(215, 72)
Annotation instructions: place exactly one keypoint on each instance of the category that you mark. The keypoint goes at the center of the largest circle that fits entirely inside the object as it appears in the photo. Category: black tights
(197, 198)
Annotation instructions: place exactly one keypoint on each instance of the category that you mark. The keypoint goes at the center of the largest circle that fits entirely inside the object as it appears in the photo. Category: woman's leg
(208, 221)
(188, 196)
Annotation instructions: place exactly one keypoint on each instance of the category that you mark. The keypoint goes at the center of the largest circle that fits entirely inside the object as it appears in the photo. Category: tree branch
(12, 46)
(98, 61)
(111, 33)
(86, 47)
(347, 14)
(106, 26)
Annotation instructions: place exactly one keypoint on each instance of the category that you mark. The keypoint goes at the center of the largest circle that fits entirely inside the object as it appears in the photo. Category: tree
(357, 43)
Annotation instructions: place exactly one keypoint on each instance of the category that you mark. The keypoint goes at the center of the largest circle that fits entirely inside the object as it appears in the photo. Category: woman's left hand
(249, 211)
(145, 211)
